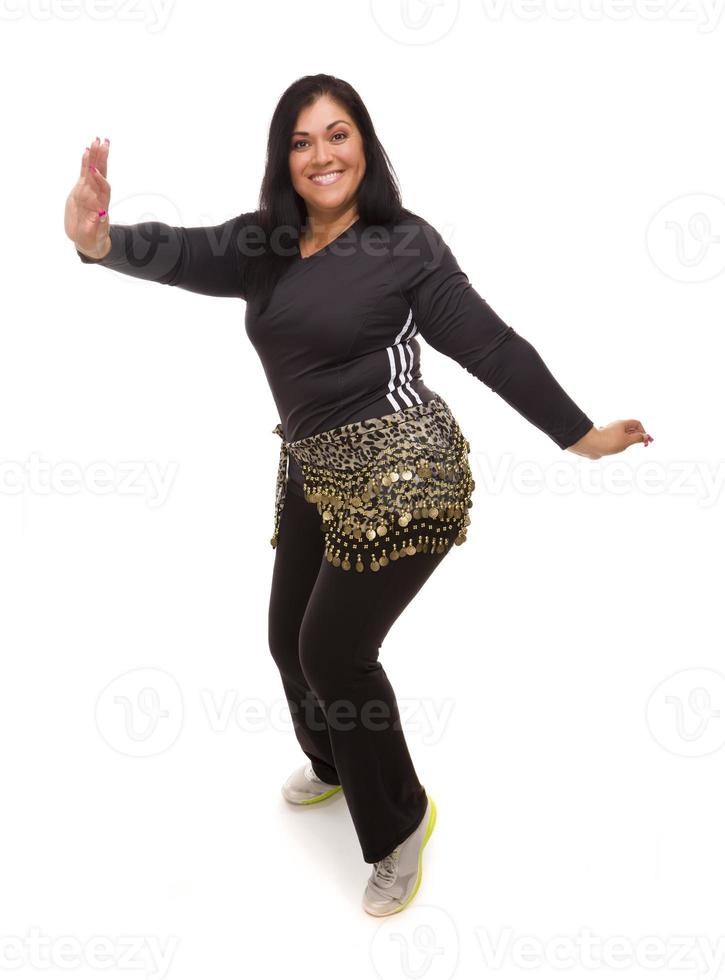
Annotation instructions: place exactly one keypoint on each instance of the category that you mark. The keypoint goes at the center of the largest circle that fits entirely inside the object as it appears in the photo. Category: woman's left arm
(458, 322)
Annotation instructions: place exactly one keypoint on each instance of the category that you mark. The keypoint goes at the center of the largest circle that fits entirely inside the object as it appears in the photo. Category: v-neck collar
(323, 250)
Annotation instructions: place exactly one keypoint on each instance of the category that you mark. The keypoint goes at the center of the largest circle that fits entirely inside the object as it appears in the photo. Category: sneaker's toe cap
(376, 904)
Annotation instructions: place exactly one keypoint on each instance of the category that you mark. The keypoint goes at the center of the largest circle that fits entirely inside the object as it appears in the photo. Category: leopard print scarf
(385, 487)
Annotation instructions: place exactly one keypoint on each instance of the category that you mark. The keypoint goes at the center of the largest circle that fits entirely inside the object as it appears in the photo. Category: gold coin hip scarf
(385, 487)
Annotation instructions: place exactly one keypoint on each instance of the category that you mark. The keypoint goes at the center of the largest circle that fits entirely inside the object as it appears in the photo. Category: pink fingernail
(92, 168)
(106, 140)
(101, 213)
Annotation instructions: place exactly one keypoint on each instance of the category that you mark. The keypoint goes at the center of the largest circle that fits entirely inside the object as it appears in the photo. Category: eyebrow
(302, 132)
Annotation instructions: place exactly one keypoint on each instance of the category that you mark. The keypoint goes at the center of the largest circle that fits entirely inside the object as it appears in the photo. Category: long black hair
(282, 209)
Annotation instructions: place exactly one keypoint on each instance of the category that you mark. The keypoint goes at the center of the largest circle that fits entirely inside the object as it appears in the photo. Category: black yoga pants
(326, 627)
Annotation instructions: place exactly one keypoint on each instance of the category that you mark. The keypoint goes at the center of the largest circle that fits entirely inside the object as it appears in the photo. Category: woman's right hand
(86, 209)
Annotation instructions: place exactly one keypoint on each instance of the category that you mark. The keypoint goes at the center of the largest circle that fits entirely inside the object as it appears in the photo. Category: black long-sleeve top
(337, 340)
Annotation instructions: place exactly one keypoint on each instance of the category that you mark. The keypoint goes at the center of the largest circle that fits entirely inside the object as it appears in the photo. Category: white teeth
(327, 178)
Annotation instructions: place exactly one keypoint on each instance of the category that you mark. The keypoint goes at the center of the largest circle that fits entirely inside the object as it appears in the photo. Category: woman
(338, 278)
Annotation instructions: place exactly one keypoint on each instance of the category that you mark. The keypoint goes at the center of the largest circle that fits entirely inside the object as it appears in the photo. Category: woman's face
(325, 141)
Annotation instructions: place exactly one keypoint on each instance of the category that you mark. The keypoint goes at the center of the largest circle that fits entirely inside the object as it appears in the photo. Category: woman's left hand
(605, 440)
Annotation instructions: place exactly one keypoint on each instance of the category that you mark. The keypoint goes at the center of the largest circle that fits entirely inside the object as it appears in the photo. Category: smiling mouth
(329, 178)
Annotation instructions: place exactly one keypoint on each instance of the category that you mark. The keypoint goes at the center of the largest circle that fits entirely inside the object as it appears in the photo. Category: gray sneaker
(395, 880)
(304, 786)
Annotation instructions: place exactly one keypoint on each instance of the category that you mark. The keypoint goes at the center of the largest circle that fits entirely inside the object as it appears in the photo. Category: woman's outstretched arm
(205, 259)
(458, 322)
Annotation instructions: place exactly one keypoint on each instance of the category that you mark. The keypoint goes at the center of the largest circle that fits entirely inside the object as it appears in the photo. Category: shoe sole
(409, 899)
(314, 799)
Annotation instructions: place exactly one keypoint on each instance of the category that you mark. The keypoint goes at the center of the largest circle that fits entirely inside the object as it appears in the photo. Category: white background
(560, 676)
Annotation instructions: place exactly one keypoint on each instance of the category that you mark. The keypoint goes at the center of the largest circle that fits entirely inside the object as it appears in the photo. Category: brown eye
(340, 133)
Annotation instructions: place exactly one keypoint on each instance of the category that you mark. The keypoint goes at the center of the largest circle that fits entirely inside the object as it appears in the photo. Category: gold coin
(382, 530)
(359, 567)
(394, 555)
(336, 561)
(370, 533)
(326, 515)
(384, 560)
(411, 549)
(374, 565)
(432, 512)
(394, 475)
(346, 565)
(407, 474)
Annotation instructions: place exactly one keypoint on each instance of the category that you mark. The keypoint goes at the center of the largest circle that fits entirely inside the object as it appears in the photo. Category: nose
(322, 155)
